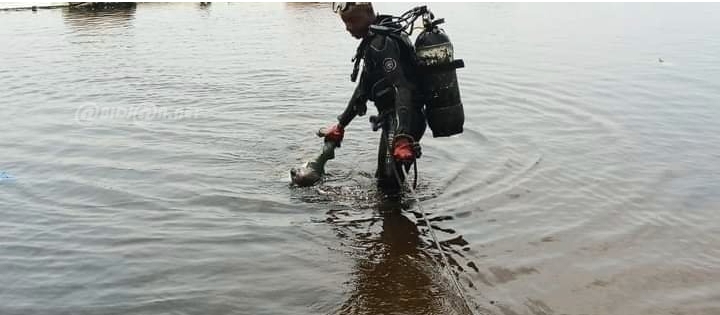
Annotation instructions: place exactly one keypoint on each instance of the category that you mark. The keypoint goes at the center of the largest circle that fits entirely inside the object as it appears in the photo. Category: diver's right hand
(334, 133)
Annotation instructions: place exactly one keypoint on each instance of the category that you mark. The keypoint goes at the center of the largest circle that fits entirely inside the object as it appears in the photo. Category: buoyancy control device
(436, 68)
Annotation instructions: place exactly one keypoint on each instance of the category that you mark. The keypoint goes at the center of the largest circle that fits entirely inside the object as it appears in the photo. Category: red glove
(335, 133)
(403, 149)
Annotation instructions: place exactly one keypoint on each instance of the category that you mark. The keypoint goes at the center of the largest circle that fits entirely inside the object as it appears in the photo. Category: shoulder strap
(359, 54)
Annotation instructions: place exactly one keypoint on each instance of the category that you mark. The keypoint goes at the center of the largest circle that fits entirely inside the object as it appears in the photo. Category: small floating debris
(661, 60)
(5, 177)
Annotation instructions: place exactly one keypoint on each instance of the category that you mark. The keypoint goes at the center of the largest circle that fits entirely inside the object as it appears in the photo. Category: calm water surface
(146, 155)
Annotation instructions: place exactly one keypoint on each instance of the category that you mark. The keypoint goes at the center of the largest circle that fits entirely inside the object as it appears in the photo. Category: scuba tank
(433, 57)
(438, 79)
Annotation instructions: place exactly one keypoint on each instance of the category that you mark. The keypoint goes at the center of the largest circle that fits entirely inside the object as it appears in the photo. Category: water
(149, 150)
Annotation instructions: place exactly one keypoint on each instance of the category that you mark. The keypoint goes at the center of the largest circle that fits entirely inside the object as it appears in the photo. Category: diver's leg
(387, 176)
(382, 151)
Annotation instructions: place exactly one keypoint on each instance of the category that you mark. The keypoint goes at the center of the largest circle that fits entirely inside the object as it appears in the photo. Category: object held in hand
(312, 171)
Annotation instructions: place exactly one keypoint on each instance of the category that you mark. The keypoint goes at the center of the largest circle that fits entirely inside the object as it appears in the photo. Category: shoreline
(79, 5)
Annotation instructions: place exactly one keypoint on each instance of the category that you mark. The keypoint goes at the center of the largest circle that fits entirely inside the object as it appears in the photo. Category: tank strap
(407, 48)
(456, 64)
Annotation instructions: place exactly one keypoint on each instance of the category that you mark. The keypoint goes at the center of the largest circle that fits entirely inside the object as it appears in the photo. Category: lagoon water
(146, 151)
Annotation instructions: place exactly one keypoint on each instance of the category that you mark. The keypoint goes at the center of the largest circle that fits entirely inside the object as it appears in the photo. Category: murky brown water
(145, 155)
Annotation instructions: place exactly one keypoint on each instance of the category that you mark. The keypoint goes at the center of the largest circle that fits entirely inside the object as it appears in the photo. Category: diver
(412, 86)
(388, 79)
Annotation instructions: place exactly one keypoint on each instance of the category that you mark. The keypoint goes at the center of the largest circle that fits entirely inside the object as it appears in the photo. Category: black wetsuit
(388, 79)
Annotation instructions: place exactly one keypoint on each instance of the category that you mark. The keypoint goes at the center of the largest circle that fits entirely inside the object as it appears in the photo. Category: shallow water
(146, 156)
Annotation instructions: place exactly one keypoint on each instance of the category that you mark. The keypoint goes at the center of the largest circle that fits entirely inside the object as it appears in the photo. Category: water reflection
(303, 6)
(392, 273)
(93, 17)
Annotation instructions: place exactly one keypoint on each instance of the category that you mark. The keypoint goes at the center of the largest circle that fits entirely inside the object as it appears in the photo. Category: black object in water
(313, 171)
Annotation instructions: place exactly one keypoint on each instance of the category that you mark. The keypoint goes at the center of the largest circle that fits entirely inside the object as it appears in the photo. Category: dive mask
(340, 7)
